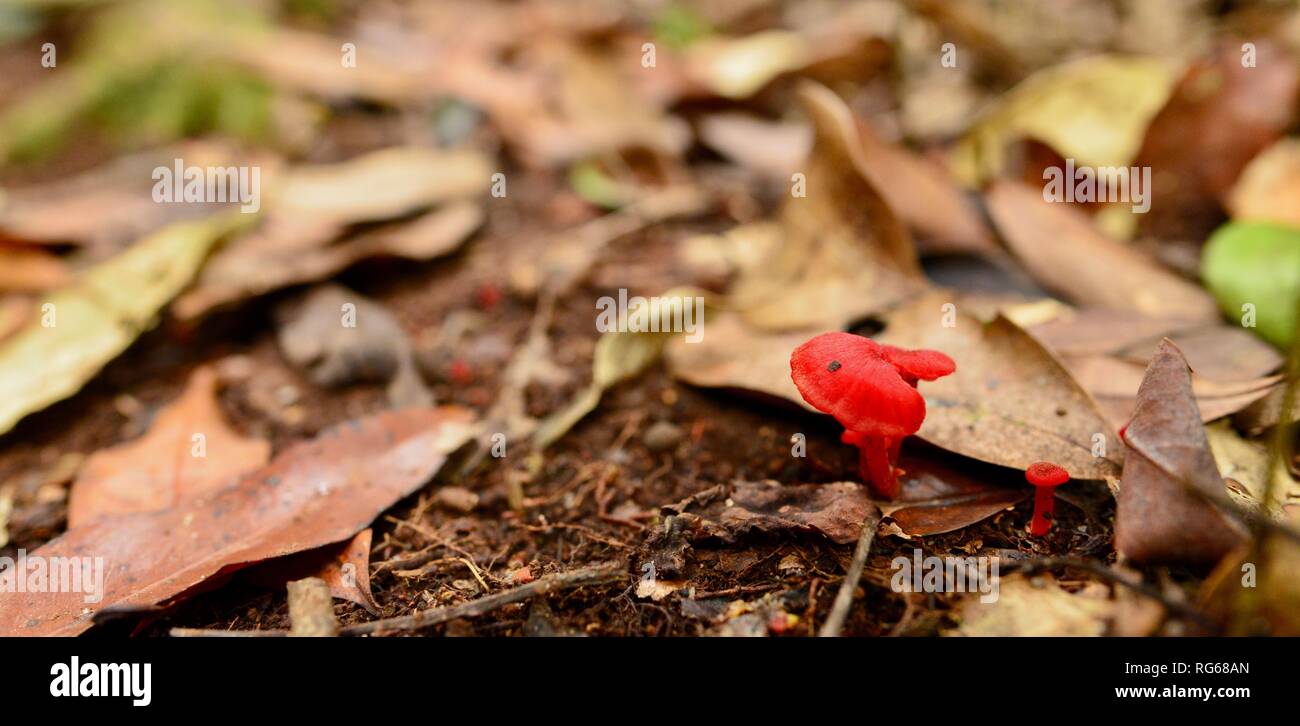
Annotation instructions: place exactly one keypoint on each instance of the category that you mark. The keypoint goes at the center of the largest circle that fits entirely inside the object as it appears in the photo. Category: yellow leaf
(1094, 110)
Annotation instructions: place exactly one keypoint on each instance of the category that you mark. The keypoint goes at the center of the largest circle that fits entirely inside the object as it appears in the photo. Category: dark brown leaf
(1158, 519)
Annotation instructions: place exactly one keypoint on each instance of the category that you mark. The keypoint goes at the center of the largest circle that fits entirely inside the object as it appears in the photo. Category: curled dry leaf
(1064, 252)
(1010, 401)
(313, 494)
(921, 192)
(189, 450)
(1034, 607)
(1094, 110)
(844, 254)
(89, 323)
(1158, 519)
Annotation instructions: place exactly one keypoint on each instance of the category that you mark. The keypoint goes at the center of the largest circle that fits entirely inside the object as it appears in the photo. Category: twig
(1105, 573)
(844, 598)
(582, 577)
(216, 633)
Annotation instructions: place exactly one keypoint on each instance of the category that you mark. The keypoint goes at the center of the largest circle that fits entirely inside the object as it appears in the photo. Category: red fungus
(870, 389)
(1046, 477)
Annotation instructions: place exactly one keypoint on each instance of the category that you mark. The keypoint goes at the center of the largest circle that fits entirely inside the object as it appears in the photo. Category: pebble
(457, 499)
(662, 436)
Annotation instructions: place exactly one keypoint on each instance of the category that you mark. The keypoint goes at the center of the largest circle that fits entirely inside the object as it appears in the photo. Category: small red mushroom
(1046, 477)
(870, 388)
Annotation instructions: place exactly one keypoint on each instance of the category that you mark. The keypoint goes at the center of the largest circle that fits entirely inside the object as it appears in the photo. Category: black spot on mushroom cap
(834, 366)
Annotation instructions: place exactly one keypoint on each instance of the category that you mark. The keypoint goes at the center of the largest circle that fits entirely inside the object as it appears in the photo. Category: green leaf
(1256, 264)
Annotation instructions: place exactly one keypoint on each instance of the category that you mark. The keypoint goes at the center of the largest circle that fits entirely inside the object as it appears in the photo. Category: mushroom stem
(876, 465)
(1044, 506)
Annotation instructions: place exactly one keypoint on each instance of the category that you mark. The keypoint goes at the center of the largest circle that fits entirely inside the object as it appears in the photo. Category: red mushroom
(870, 389)
(1046, 477)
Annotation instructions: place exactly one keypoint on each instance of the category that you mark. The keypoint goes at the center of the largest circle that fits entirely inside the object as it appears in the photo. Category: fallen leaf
(937, 497)
(1246, 463)
(340, 337)
(1010, 402)
(381, 185)
(111, 205)
(313, 494)
(1059, 246)
(1094, 110)
(189, 450)
(1267, 189)
(285, 253)
(89, 323)
(1157, 519)
(1219, 104)
(620, 356)
(733, 356)
(1253, 269)
(844, 255)
(1033, 607)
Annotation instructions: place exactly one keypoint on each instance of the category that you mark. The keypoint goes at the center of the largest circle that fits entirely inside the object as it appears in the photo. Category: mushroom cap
(927, 365)
(862, 383)
(1046, 474)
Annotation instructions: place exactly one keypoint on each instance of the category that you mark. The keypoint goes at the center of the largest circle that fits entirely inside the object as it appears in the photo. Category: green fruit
(1256, 264)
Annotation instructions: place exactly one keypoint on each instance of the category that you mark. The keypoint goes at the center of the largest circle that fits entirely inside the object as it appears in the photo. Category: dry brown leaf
(844, 254)
(1062, 250)
(732, 355)
(1158, 519)
(290, 253)
(113, 204)
(1218, 104)
(937, 497)
(313, 494)
(1010, 402)
(188, 451)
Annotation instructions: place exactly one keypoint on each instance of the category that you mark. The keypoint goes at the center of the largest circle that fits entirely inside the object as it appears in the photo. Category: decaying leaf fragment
(1158, 518)
(1034, 607)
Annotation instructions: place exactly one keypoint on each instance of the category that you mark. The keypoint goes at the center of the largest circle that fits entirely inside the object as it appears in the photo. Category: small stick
(582, 577)
(844, 598)
(311, 609)
(210, 633)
